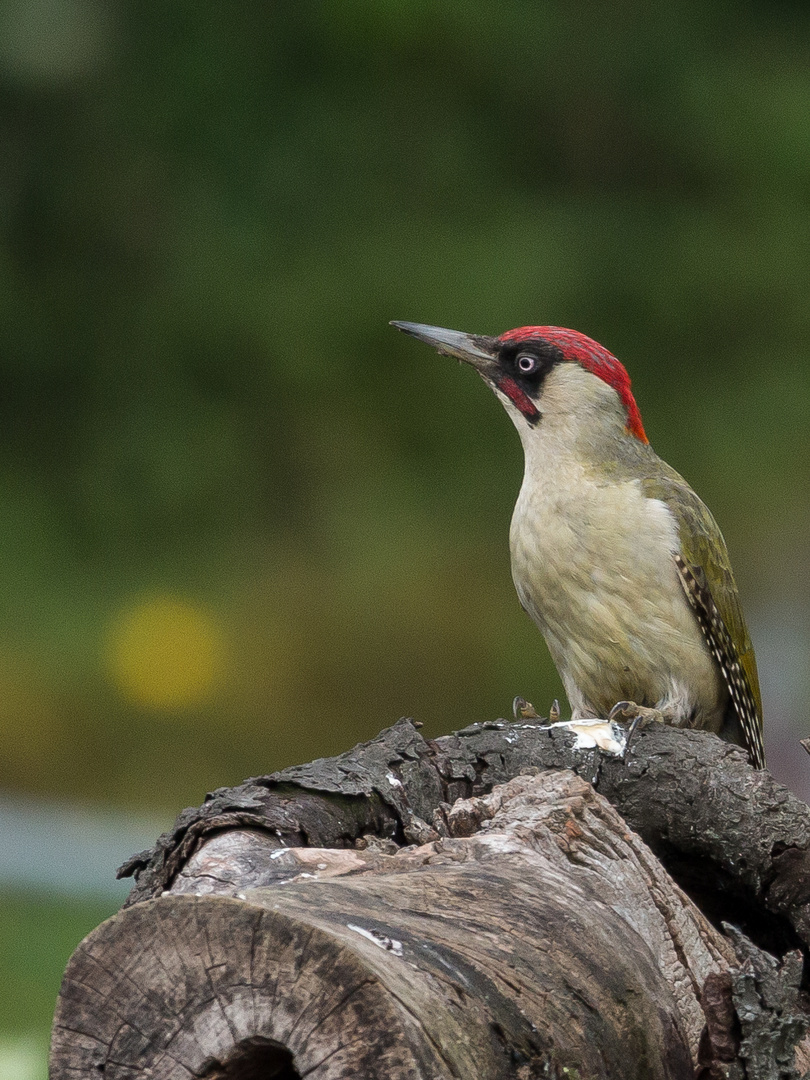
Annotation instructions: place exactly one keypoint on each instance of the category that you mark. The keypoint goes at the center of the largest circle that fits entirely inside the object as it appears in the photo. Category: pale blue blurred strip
(68, 850)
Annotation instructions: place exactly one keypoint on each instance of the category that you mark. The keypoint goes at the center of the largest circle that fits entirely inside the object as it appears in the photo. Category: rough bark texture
(348, 922)
(737, 840)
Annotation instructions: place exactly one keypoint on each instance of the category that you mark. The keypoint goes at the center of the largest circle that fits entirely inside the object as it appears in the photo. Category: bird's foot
(639, 714)
(524, 710)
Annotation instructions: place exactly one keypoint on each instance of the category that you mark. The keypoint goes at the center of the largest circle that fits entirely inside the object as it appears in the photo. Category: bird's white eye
(526, 363)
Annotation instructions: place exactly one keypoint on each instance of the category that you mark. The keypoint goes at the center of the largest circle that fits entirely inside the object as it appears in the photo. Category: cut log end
(544, 942)
(219, 987)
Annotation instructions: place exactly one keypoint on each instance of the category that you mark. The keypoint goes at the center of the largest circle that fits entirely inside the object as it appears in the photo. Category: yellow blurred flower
(166, 653)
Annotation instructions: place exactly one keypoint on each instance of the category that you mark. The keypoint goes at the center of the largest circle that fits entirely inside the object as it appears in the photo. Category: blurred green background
(243, 522)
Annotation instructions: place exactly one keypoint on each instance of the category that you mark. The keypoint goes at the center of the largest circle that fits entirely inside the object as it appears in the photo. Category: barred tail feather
(725, 653)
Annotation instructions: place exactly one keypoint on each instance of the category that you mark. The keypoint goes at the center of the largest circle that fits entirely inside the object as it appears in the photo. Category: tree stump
(343, 919)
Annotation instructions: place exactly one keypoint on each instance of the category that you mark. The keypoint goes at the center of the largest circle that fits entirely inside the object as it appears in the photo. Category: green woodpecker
(614, 557)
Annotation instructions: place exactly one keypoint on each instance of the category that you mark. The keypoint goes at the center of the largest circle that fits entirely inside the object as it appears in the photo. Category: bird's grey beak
(471, 348)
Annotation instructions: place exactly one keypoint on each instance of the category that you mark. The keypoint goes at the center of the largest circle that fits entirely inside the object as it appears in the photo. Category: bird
(619, 563)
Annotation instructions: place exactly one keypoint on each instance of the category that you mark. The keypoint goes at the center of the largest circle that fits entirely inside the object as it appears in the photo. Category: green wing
(709, 583)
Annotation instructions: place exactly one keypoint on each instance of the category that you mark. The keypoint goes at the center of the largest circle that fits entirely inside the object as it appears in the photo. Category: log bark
(344, 919)
(734, 838)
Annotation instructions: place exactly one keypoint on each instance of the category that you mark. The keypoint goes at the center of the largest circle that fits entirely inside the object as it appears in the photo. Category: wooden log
(733, 837)
(524, 931)
(541, 938)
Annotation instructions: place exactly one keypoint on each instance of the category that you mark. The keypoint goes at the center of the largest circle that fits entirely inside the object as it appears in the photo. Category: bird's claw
(639, 714)
(523, 709)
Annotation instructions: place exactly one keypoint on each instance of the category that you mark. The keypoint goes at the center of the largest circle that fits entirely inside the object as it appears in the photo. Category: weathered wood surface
(539, 935)
(341, 919)
(734, 838)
